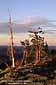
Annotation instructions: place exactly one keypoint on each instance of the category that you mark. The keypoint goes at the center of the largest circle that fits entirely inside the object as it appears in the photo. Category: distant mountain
(18, 52)
(52, 47)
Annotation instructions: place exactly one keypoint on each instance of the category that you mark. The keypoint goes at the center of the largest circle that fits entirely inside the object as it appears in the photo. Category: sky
(27, 13)
(22, 8)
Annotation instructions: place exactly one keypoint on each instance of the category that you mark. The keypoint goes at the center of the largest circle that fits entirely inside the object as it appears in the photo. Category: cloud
(33, 20)
(30, 23)
(27, 24)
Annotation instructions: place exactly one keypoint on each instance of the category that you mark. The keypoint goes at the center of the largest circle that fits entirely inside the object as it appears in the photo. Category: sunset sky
(28, 15)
